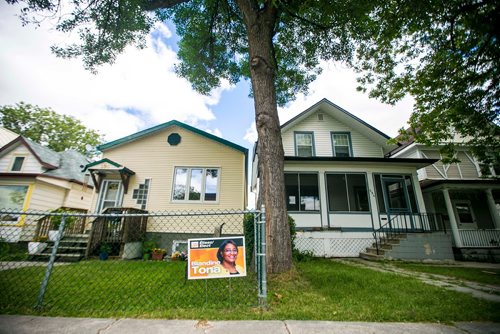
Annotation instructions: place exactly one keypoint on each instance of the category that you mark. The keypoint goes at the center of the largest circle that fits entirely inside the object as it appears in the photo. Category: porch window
(347, 192)
(17, 165)
(302, 192)
(341, 143)
(304, 144)
(196, 184)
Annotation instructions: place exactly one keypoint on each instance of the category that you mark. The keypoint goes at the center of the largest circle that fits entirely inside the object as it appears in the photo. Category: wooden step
(75, 248)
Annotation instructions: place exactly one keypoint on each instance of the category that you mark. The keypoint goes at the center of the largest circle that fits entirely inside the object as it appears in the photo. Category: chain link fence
(124, 261)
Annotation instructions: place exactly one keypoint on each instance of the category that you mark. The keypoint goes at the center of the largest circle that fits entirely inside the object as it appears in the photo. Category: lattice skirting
(333, 247)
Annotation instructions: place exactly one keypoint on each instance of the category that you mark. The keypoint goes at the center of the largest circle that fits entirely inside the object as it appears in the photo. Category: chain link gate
(122, 262)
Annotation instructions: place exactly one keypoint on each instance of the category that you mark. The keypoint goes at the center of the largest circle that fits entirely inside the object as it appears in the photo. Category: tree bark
(260, 23)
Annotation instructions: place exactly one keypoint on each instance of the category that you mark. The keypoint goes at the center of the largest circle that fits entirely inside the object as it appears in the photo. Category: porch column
(493, 208)
(451, 216)
(325, 222)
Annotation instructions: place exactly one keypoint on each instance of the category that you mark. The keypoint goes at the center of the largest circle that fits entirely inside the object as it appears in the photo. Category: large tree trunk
(260, 25)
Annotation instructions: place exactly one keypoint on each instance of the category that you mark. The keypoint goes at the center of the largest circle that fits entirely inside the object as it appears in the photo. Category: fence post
(50, 265)
(260, 245)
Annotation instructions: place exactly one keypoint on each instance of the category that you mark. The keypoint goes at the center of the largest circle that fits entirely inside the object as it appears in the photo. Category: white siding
(30, 164)
(361, 145)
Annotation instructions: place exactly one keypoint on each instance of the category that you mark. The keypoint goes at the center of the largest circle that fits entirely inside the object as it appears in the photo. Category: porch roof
(408, 162)
(460, 184)
(99, 169)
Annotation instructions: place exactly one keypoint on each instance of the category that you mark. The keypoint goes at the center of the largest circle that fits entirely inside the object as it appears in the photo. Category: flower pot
(36, 247)
(146, 256)
(103, 256)
(157, 256)
(53, 235)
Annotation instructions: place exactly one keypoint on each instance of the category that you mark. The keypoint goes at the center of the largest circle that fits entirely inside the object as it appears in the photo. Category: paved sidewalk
(12, 324)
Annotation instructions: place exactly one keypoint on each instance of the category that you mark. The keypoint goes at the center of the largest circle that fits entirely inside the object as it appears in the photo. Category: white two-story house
(342, 189)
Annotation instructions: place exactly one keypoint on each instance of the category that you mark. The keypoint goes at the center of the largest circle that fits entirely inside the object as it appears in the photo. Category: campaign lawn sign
(203, 262)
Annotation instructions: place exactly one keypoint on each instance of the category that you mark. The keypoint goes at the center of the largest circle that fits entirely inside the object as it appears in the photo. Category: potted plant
(104, 251)
(158, 254)
(147, 249)
(179, 256)
(37, 245)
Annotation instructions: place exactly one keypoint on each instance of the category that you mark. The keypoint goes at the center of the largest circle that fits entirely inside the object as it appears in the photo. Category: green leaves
(44, 126)
(446, 55)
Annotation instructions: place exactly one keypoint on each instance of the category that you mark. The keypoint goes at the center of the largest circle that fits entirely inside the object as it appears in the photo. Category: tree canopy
(48, 128)
(446, 54)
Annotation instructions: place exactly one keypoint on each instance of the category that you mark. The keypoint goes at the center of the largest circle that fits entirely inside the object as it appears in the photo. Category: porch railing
(403, 223)
(74, 225)
(116, 230)
(480, 238)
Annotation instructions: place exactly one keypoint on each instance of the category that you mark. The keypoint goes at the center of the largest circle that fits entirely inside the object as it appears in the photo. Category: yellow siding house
(170, 167)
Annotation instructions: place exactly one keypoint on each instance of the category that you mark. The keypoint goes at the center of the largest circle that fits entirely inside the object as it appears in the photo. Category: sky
(141, 90)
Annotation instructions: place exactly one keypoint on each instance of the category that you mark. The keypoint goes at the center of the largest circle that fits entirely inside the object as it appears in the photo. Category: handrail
(403, 223)
(49, 222)
(116, 229)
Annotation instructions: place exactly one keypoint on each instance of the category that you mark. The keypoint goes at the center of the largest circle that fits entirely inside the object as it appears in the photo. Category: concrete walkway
(478, 290)
(34, 325)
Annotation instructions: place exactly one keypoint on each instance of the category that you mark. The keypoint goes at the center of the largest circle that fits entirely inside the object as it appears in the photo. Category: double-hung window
(347, 192)
(304, 144)
(302, 192)
(196, 184)
(341, 142)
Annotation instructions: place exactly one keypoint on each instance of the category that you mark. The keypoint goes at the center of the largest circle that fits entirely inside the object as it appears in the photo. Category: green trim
(106, 160)
(159, 127)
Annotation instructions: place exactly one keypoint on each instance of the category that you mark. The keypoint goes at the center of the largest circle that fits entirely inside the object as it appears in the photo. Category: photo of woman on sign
(227, 255)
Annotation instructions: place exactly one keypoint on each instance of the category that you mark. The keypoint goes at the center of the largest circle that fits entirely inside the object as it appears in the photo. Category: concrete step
(373, 250)
(370, 257)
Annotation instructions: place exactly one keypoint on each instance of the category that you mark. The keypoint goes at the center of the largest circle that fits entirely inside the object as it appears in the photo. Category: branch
(303, 19)
(159, 4)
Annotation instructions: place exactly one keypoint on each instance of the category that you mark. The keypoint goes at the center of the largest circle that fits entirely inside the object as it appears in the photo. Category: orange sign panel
(216, 258)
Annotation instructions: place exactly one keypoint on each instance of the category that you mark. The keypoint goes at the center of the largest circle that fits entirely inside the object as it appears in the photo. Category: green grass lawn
(318, 289)
(480, 275)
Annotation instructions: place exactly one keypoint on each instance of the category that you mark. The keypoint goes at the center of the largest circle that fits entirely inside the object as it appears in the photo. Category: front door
(111, 195)
(464, 214)
(397, 203)
(396, 196)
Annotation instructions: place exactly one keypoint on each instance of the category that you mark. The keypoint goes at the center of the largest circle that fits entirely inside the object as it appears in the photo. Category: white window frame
(349, 142)
(104, 189)
(313, 151)
(203, 185)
